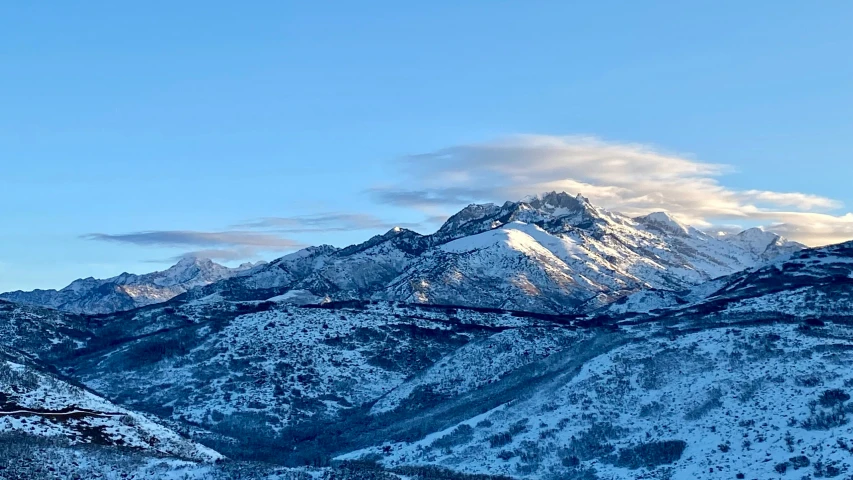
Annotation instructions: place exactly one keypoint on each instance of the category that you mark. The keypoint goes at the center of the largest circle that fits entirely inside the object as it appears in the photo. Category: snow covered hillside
(761, 401)
(811, 283)
(41, 333)
(36, 404)
(254, 371)
(745, 377)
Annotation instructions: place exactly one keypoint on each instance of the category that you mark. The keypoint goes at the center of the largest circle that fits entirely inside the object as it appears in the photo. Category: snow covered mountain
(765, 245)
(555, 253)
(52, 428)
(760, 400)
(128, 291)
(539, 339)
(746, 374)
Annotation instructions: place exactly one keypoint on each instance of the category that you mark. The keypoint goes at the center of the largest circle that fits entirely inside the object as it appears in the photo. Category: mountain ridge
(564, 255)
(127, 291)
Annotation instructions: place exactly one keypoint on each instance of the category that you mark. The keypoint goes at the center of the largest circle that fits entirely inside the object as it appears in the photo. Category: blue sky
(133, 134)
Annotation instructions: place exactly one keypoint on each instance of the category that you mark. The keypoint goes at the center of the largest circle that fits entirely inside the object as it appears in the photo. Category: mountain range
(546, 338)
(128, 291)
(553, 254)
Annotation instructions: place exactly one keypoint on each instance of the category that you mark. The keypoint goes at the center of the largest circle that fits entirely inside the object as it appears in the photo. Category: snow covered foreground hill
(128, 291)
(35, 403)
(50, 428)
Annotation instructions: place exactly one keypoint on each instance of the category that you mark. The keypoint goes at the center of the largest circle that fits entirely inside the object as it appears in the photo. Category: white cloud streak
(325, 222)
(182, 238)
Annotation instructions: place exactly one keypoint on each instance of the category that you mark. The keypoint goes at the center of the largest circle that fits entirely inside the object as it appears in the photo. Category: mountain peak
(763, 243)
(757, 238)
(558, 200)
(250, 265)
(560, 204)
(395, 231)
(472, 215)
(757, 232)
(664, 221)
(191, 263)
(557, 211)
(128, 291)
(190, 260)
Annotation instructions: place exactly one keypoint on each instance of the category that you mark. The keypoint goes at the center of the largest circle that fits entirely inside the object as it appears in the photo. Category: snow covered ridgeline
(35, 404)
(813, 283)
(42, 333)
(656, 392)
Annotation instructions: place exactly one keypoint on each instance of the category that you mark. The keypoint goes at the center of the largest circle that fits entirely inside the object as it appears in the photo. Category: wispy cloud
(222, 254)
(225, 246)
(217, 254)
(809, 227)
(249, 239)
(428, 198)
(192, 238)
(222, 245)
(326, 222)
(630, 178)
